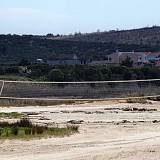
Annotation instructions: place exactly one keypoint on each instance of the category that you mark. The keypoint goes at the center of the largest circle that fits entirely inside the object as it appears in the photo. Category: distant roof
(152, 53)
(157, 63)
(128, 53)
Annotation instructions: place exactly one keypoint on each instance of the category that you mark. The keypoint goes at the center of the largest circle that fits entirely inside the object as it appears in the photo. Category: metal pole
(2, 88)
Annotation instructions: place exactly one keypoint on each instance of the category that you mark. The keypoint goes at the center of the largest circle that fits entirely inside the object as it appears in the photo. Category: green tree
(24, 62)
(91, 73)
(127, 74)
(56, 75)
(127, 62)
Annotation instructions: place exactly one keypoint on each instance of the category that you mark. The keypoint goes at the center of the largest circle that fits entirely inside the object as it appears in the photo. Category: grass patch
(12, 115)
(24, 129)
(137, 100)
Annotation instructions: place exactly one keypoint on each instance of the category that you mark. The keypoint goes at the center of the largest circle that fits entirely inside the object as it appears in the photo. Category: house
(158, 63)
(153, 58)
(39, 61)
(139, 59)
(63, 62)
(68, 61)
(117, 58)
(150, 56)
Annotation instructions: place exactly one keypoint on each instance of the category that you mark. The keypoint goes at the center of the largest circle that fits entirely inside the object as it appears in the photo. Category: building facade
(138, 58)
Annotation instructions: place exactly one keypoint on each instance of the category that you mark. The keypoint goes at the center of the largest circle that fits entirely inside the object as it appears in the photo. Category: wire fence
(79, 90)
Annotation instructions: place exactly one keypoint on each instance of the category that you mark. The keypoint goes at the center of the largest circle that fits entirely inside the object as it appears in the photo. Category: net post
(1, 91)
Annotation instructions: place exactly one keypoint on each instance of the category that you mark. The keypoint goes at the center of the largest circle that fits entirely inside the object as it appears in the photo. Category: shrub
(40, 130)
(127, 62)
(4, 124)
(14, 131)
(25, 129)
(6, 132)
(24, 123)
(33, 131)
(0, 131)
(56, 75)
(28, 131)
(73, 128)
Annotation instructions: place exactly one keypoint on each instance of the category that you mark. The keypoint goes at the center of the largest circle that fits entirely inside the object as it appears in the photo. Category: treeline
(92, 73)
(81, 72)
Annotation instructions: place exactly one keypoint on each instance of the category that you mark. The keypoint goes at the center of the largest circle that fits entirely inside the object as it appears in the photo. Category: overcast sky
(69, 16)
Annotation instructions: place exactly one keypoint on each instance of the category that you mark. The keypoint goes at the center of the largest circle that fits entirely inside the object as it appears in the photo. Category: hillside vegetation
(144, 36)
(13, 48)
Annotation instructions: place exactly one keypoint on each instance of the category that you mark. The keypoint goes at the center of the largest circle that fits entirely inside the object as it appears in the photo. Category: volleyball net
(79, 90)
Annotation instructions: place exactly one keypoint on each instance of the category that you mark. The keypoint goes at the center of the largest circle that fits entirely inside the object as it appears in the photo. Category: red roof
(152, 54)
(158, 63)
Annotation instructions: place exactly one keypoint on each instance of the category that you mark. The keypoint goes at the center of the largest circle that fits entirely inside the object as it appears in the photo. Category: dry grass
(30, 102)
(137, 100)
(8, 102)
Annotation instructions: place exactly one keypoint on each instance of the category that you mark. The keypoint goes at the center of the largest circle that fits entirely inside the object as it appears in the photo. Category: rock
(127, 109)
(125, 121)
(75, 121)
(44, 119)
(155, 121)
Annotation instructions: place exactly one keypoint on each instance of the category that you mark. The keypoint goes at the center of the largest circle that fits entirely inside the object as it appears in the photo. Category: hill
(143, 36)
(95, 46)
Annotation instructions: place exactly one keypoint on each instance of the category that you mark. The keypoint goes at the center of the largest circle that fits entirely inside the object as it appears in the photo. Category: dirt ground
(108, 131)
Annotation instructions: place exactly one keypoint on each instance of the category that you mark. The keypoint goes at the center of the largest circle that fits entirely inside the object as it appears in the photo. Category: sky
(70, 16)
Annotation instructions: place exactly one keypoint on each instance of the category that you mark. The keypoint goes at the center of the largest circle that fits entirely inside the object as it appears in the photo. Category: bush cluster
(91, 73)
(25, 128)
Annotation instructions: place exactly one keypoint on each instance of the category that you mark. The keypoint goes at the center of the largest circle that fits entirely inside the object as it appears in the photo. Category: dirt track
(108, 132)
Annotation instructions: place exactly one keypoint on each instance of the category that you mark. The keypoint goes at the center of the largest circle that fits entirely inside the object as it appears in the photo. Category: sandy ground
(111, 131)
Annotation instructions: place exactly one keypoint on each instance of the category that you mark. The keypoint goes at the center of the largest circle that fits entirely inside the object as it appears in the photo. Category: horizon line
(82, 33)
